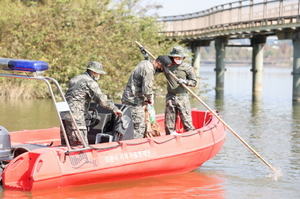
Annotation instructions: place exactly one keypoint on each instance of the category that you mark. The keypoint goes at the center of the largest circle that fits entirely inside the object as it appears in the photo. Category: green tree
(70, 33)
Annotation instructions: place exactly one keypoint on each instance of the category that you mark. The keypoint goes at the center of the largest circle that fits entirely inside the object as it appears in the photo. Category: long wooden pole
(213, 112)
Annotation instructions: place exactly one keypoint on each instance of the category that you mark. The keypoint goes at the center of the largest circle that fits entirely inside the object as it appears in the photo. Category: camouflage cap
(96, 67)
(178, 51)
(164, 60)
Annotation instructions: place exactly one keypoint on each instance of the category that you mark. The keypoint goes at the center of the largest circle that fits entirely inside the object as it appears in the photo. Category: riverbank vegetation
(69, 33)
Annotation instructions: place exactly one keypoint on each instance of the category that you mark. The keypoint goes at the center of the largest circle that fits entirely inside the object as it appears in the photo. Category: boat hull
(51, 167)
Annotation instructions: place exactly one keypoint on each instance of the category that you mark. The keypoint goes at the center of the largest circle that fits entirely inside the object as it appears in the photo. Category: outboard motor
(5, 146)
(5, 149)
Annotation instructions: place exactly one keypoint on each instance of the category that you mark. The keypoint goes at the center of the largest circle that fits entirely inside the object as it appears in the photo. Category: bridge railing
(234, 15)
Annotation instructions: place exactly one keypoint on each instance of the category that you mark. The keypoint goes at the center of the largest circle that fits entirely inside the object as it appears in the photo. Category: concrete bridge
(252, 19)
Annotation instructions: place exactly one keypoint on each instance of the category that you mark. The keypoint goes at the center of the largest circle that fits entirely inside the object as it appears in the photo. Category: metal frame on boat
(37, 68)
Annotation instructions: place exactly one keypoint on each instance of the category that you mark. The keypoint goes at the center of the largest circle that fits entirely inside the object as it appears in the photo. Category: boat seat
(105, 118)
(103, 137)
(103, 126)
(109, 125)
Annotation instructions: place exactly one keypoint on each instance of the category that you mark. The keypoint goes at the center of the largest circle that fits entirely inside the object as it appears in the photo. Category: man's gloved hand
(182, 81)
(118, 113)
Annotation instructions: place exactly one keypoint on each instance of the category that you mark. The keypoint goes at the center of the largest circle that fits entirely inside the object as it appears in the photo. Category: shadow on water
(194, 184)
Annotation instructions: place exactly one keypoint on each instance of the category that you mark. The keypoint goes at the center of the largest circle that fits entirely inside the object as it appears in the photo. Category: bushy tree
(70, 33)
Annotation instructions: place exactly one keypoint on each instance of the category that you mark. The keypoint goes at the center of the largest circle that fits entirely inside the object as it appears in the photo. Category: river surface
(270, 126)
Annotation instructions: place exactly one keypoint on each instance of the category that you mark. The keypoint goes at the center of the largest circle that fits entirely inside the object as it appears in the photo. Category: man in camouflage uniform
(177, 98)
(139, 90)
(82, 90)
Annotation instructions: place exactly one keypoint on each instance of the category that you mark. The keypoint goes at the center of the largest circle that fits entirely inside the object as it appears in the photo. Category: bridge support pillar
(296, 66)
(257, 43)
(220, 43)
(196, 59)
(195, 47)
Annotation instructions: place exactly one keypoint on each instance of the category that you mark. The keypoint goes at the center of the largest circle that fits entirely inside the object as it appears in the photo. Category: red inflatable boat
(35, 159)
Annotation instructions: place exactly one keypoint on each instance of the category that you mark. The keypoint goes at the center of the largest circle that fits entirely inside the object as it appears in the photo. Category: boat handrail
(36, 68)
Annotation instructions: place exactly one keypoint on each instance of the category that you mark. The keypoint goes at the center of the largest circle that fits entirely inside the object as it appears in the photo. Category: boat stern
(28, 171)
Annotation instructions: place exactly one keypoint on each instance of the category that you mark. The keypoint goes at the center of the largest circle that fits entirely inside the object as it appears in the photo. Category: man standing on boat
(139, 90)
(82, 90)
(177, 98)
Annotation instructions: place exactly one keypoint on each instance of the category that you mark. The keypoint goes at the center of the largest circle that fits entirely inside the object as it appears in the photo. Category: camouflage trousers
(72, 135)
(178, 105)
(138, 119)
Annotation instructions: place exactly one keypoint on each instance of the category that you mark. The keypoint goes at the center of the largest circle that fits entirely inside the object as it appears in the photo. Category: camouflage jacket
(184, 71)
(82, 90)
(139, 86)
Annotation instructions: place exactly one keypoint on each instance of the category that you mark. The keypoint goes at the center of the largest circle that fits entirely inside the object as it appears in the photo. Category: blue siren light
(23, 65)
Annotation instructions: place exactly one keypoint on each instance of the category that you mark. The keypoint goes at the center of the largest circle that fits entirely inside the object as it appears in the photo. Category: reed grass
(23, 90)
